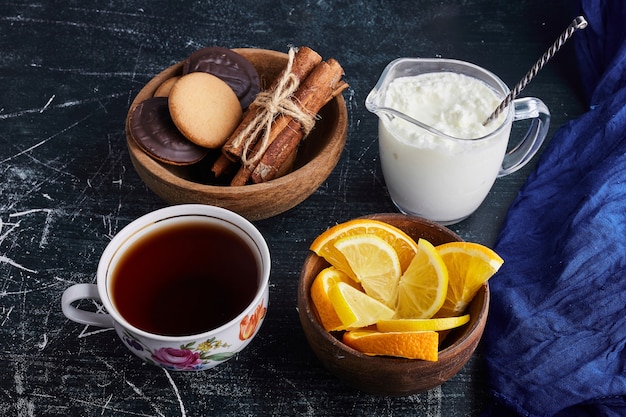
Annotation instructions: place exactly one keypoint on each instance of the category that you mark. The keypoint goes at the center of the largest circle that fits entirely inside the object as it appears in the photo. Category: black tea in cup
(184, 278)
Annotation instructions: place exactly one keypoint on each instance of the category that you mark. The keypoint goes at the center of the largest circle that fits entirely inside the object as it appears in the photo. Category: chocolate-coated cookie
(154, 131)
(230, 67)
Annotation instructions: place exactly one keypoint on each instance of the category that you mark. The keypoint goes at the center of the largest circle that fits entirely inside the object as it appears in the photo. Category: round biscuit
(164, 89)
(204, 108)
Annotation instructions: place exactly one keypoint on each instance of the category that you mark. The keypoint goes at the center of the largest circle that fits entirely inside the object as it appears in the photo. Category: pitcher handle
(522, 153)
(81, 292)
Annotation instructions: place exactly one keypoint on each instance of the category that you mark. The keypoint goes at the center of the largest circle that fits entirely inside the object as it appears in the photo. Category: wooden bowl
(383, 375)
(317, 157)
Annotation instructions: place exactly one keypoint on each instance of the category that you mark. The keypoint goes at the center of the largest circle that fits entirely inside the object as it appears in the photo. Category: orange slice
(469, 266)
(412, 345)
(422, 325)
(374, 263)
(322, 283)
(423, 286)
(324, 246)
(355, 308)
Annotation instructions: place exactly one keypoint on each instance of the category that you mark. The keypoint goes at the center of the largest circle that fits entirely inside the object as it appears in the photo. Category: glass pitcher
(442, 177)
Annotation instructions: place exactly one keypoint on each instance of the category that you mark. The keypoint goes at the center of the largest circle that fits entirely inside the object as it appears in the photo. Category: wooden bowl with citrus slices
(389, 346)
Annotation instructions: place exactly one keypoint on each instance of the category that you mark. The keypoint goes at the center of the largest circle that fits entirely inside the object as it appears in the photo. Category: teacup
(437, 175)
(185, 287)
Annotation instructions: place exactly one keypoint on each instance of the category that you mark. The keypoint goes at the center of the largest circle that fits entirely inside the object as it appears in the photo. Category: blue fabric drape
(555, 341)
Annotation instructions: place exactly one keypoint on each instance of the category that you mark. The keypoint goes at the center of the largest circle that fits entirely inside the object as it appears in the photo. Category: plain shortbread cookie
(204, 108)
(164, 89)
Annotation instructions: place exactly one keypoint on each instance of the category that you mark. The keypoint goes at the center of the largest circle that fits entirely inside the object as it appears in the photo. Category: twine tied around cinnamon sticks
(266, 141)
(271, 103)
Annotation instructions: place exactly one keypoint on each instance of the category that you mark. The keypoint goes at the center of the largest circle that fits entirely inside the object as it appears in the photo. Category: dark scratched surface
(68, 72)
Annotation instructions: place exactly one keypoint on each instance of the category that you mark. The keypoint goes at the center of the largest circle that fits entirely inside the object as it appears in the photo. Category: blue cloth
(555, 341)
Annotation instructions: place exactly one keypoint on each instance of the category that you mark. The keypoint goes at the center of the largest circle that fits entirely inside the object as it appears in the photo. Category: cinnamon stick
(305, 97)
(245, 170)
(222, 166)
(304, 60)
(323, 84)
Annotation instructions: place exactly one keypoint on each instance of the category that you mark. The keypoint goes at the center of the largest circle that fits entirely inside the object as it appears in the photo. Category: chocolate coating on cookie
(154, 131)
(230, 67)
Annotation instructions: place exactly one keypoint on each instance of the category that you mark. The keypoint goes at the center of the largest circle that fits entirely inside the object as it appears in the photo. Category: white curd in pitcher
(434, 176)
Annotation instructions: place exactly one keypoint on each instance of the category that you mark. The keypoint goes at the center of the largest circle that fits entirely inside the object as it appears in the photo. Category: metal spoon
(578, 23)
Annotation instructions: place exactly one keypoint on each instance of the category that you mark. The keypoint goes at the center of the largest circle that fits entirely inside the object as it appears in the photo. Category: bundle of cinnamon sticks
(266, 141)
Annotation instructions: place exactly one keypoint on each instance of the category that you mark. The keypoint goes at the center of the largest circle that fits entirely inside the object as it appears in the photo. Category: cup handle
(522, 153)
(81, 292)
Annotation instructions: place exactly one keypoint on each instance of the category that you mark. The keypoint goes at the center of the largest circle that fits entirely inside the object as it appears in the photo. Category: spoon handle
(578, 23)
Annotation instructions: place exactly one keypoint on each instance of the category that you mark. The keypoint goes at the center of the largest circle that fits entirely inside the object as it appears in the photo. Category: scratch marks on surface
(6, 312)
(44, 342)
(6, 260)
(310, 409)
(183, 413)
(142, 395)
(89, 73)
(129, 97)
(67, 104)
(86, 333)
(120, 375)
(41, 288)
(434, 398)
(46, 228)
(140, 12)
(106, 404)
(352, 106)
(21, 19)
(25, 407)
(116, 411)
(110, 224)
(47, 104)
(9, 261)
(44, 141)
(11, 228)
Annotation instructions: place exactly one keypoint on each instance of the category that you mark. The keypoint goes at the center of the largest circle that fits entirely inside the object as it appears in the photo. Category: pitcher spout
(375, 103)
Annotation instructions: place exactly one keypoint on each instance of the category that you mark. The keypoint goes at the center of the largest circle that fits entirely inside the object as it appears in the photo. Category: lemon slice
(412, 345)
(324, 247)
(374, 263)
(469, 266)
(421, 325)
(423, 286)
(355, 308)
(320, 287)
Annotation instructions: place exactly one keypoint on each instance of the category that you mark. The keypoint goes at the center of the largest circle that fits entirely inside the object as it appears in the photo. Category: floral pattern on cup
(188, 357)
(250, 322)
